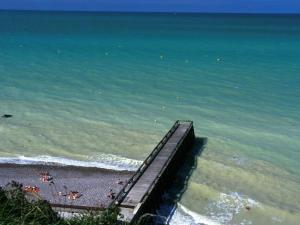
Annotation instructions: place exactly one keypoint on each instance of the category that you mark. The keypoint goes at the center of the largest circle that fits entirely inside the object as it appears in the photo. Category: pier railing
(132, 181)
(168, 161)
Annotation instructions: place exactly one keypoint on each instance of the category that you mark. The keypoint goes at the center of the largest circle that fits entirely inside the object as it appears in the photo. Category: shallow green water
(106, 87)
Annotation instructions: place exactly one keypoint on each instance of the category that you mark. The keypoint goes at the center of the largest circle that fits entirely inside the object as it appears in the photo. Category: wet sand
(93, 183)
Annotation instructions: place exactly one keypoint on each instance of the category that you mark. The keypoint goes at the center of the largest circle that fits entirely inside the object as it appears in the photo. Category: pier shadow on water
(174, 192)
(177, 188)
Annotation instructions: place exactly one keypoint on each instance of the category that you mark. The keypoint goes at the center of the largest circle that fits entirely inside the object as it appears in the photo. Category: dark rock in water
(7, 116)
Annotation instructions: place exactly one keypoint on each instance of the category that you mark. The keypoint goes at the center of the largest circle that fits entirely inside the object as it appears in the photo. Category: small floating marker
(7, 116)
(155, 121)
(218, 59)
(162, 57)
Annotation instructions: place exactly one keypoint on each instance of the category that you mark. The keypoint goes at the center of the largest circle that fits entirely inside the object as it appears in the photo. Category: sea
(101, 89)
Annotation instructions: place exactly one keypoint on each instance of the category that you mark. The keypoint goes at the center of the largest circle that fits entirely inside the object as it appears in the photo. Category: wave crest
(105, 161)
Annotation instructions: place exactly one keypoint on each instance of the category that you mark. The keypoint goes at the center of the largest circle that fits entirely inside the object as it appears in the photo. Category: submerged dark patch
(7, 116)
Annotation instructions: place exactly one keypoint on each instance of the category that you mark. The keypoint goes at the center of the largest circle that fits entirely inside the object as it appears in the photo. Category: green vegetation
(16, 209)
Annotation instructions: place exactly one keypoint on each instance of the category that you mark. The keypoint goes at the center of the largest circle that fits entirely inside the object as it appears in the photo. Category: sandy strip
(93, 183)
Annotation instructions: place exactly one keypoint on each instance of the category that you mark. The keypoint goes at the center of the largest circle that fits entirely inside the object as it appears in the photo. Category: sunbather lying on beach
(111, 194)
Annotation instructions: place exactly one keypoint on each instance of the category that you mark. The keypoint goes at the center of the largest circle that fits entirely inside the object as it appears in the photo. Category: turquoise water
(105, 87)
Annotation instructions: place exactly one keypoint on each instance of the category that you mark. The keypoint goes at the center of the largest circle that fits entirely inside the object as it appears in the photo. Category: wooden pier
(142, 192)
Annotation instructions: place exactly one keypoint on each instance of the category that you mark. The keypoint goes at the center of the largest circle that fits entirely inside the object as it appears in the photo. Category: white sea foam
(220, 212)
(106, 161)
(229, 205)
(184, 216)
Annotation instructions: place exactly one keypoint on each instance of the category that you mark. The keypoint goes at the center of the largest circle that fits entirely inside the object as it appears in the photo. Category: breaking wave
(105, 161)
(221, 211)
(184, 216)
(229, 205)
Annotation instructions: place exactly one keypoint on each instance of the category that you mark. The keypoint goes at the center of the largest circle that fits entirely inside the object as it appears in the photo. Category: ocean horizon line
(152, 12)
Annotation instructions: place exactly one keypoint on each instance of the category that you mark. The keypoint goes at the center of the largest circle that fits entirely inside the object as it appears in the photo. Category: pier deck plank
(140, 189)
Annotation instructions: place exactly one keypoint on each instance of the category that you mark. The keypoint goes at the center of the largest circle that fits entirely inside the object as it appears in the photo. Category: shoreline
(54, 165)
(113, 162)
